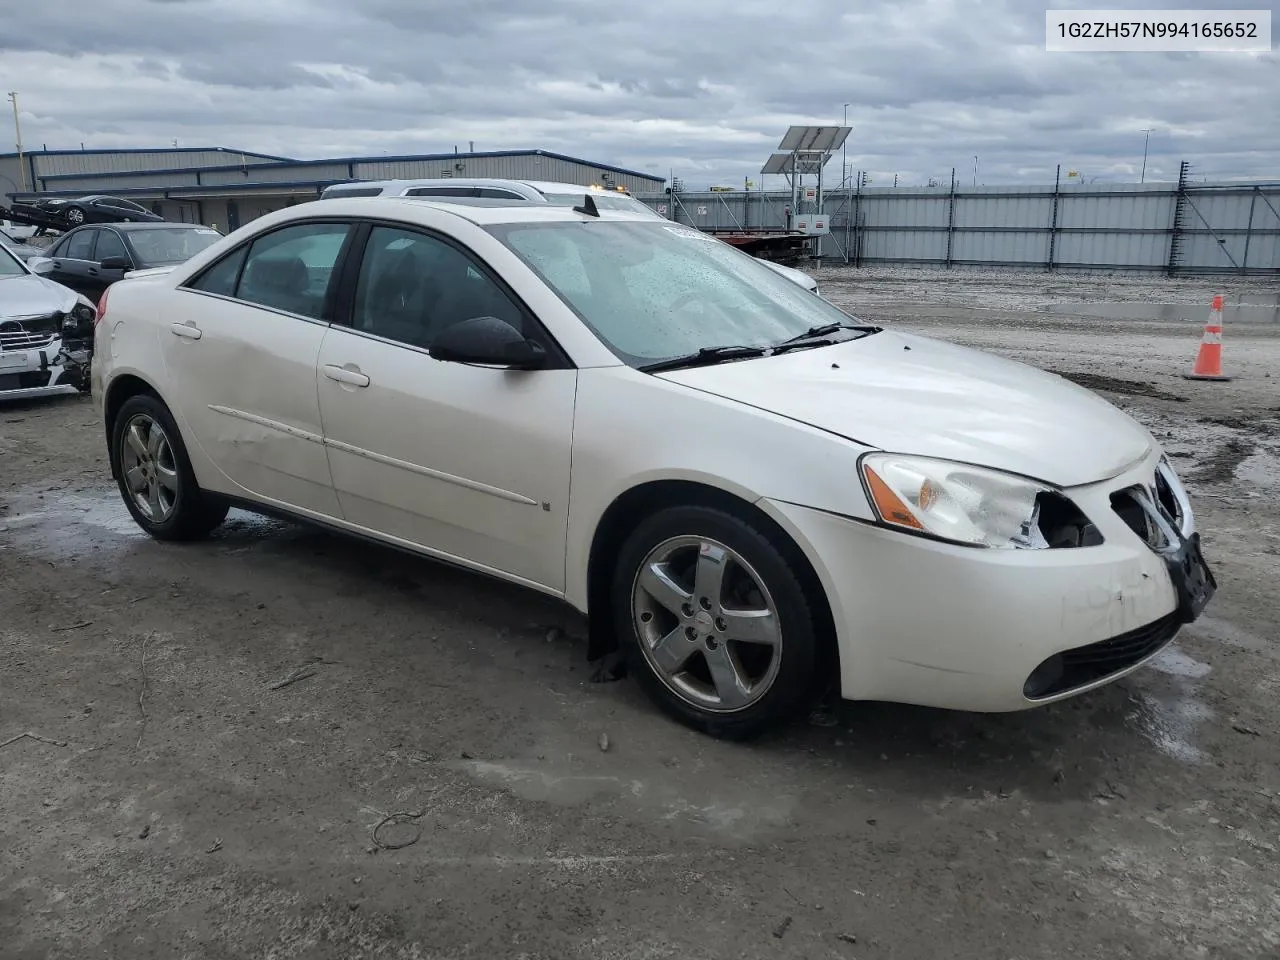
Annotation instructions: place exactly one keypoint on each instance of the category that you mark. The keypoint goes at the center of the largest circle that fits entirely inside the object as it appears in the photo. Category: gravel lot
(179, 800)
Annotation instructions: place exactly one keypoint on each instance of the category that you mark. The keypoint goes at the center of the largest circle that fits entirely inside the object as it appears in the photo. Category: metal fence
(1173, 228)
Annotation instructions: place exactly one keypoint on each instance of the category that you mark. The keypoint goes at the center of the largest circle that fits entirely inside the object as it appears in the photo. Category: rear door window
(290, 269)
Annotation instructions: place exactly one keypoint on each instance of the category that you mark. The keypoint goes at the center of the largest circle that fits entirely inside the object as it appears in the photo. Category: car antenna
(588, 207)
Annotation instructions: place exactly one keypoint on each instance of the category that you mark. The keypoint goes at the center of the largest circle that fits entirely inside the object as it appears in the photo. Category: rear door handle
(188, 330)
(345, 375)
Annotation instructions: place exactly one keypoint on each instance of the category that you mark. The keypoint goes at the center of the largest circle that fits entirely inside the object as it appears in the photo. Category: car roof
(153, 225)
(534, 187)
(497, 211)
(557, 186)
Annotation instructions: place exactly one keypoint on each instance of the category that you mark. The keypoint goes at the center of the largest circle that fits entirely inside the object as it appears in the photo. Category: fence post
(951, 216)
(1248, 230)
(1053, 223)
(1179, 213)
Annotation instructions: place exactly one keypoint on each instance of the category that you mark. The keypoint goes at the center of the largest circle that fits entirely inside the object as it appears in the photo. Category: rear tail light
(102, 306)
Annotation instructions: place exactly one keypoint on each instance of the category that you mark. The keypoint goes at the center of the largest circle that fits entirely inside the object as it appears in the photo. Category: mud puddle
(1132, 388)
(88, 524)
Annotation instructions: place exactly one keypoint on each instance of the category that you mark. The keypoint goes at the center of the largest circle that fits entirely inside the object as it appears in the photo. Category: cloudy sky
(703, 89)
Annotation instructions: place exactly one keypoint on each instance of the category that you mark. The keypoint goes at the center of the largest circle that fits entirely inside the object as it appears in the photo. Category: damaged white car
(46, 333)
(752, 494)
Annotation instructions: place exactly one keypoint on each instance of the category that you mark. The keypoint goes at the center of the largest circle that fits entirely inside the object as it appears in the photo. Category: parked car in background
(95, 208)
(46, 333)
(89, 259)
(17, 231)
(25, 251)
(536, 191)
(754, 493)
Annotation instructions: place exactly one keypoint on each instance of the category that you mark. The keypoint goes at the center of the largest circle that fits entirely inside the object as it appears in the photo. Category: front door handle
(345, 375)
(188, 330)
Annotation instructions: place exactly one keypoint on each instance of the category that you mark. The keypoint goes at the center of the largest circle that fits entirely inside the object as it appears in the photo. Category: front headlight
(955, 501)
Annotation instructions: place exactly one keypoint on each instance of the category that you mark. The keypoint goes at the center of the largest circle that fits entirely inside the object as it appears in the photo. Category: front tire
(154, 474)
(715, 624)
(75, 216)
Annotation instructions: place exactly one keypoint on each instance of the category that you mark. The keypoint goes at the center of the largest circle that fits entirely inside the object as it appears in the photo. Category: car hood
(912, 394)
(32, 296)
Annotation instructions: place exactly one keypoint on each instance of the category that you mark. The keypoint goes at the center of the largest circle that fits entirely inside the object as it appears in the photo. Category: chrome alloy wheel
(150, 472)
(707, 624)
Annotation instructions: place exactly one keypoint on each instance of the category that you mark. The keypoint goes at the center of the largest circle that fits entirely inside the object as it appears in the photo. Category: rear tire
(154, 474)
(714, 623)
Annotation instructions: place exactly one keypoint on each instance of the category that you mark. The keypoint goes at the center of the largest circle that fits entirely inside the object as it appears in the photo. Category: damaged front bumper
(58, 367)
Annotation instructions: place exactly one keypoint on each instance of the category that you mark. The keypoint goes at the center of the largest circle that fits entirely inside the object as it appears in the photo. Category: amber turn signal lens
(888, 504)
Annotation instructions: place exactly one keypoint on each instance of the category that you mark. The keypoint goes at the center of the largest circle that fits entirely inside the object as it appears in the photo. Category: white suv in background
(532, 191)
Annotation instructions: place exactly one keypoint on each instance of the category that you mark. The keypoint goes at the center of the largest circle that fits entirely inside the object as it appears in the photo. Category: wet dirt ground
(179, 798)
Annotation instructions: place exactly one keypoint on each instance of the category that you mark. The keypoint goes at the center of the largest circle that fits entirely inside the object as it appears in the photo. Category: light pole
(1145, 140)
(975, 169)
(17, 134)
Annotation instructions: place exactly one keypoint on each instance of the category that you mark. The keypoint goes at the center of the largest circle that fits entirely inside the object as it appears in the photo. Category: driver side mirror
(488, 341)
(116, 263)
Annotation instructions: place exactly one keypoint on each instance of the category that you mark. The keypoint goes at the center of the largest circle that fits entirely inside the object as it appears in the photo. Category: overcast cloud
(706, 90)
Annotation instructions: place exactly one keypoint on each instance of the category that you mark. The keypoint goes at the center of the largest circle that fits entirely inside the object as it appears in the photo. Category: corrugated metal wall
(92, 162)
(11, 178)
(1227, 227)
(160, 170)
(91, 183)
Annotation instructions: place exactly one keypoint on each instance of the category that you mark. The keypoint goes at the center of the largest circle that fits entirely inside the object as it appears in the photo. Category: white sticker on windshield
(208, 231)
(691, 234)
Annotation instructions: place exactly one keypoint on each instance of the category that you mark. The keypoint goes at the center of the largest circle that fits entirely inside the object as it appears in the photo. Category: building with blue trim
(225, 188)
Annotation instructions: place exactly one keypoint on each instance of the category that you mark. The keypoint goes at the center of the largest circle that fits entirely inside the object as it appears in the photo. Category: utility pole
(844, 180)
(17, 133)
(1145, 141)
(975, 169)
(844, 148)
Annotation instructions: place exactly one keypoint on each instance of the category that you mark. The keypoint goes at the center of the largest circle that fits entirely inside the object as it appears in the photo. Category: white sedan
(752, 495)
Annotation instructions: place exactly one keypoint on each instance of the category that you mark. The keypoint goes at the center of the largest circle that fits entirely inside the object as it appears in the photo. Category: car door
(241, 352)
(113, 209)
(468, 462)
(110, 245)
(71, 259)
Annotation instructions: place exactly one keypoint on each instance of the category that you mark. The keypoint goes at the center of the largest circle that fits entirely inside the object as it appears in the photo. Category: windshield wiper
(704, 358)
(820, 336)
(825, 330)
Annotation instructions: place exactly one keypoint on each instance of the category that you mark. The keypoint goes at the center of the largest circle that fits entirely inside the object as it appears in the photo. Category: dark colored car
(96, 208)
(89, 259)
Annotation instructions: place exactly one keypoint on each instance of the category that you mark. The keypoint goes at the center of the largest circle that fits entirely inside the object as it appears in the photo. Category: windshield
(157, 248)
(605, 201)
(653, 291)
(10, 266)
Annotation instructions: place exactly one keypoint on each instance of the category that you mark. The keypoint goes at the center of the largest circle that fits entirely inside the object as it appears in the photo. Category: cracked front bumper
(37, 372)
(931, 623)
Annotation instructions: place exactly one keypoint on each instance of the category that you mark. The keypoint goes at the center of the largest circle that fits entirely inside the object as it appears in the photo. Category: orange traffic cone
(1208, 365)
